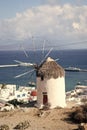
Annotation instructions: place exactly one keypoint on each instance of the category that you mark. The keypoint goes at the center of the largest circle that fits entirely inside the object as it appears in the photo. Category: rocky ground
(35, 119)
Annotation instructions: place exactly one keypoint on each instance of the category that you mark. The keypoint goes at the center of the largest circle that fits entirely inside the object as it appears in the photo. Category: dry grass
(38, 119)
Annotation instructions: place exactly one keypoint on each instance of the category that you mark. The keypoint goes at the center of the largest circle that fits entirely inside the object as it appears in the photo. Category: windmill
(49, 76)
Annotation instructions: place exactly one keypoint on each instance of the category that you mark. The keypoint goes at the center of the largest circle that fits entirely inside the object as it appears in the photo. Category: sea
(66, 58)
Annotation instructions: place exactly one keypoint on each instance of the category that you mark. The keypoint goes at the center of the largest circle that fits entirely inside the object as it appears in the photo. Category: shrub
(79, 114)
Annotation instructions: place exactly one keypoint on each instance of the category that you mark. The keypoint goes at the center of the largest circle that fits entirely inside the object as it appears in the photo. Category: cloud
(76, 26)
(64, 22)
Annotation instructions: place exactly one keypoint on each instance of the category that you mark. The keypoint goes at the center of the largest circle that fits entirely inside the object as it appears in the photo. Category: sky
(59, 23)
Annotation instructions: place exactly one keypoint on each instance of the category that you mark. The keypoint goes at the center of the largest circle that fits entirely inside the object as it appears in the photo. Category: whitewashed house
(50, 85)
(7, 90)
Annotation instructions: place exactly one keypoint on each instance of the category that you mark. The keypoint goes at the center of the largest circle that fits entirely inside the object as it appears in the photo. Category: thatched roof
(50, 69)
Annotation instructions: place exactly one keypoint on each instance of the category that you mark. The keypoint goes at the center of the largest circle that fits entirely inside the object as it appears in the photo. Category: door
(45, 98)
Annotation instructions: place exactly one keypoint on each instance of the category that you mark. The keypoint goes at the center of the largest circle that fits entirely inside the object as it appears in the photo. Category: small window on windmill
(42, 76)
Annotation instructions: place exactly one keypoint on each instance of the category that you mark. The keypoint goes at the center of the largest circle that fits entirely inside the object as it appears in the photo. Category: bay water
(67, 58)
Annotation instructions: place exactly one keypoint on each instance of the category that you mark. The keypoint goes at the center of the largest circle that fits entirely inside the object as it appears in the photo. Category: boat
(73, 69)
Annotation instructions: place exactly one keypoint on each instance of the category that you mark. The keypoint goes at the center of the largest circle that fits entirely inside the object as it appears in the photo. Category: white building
(50, 85)
(7, 90)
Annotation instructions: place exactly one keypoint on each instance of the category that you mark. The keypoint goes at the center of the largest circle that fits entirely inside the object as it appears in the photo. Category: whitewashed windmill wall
(50, 85)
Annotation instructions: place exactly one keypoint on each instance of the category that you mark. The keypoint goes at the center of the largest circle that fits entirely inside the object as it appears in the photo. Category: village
(10, 96)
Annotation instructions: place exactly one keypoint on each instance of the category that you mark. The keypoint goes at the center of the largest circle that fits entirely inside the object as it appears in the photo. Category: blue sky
(9, 8)
(59, 21)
